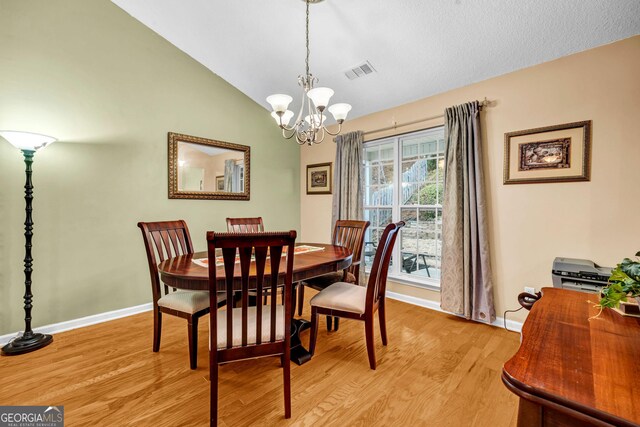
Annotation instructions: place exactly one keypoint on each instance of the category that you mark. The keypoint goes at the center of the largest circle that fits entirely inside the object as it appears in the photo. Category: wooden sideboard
(572, 371)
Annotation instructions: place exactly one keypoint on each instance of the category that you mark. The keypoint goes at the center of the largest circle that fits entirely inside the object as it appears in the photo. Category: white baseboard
(83, 321)
(68, 325)
(512, 325)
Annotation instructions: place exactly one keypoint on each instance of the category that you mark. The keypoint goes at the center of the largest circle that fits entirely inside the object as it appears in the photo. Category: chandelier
(311, 128)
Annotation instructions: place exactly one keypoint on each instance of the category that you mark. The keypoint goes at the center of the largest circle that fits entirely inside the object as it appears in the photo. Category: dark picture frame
(319, 178)
(559, 153)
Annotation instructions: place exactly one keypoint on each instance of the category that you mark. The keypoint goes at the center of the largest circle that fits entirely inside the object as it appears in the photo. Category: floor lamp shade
(27, 142)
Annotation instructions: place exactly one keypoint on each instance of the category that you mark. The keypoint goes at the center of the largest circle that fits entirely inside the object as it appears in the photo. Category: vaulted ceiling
(417, 47)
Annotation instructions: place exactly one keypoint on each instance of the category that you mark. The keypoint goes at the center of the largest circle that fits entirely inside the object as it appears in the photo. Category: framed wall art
(220, 183)
(319, 178)
(559, 153)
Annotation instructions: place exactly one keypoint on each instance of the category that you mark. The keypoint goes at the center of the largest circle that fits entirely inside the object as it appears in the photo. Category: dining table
(189, 271)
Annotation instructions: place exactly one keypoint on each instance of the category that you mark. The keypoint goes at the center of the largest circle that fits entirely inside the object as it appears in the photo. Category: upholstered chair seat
(187, 301)
(343, 297)
(326, 280)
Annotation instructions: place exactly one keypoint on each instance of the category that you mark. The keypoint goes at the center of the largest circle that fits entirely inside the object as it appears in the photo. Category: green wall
(110, 89)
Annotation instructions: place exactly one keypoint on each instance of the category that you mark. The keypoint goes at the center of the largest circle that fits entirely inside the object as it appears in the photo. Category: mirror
(202, 168)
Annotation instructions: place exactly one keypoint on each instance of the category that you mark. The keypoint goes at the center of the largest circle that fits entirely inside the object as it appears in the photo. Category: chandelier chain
(307, 34)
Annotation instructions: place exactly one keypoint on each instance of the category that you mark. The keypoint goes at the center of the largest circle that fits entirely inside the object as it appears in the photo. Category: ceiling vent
(359, 71)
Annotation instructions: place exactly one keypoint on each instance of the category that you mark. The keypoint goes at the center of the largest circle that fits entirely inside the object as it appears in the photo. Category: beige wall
(531, 224)
(110, 89)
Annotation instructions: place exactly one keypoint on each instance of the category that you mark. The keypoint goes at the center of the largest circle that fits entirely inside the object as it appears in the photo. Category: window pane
(430, 192)
(385, 217)
(386, 151)
(370, 215)
(386, 173)
(374, 174)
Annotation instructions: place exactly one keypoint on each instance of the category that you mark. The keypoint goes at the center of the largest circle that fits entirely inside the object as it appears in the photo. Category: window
(404, 180)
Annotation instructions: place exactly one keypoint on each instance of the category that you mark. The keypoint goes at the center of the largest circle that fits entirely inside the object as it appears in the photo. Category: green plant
(624, 281)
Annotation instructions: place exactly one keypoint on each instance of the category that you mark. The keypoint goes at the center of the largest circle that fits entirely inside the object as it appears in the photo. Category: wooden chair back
(163, 240)
(245, 225)
(378, 275)
(255, 261)
(350, 234)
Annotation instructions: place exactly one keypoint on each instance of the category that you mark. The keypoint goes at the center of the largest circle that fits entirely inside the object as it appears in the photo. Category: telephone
(527, 300)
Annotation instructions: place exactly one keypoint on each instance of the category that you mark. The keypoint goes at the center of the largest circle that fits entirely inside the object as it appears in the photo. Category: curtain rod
(483, 103)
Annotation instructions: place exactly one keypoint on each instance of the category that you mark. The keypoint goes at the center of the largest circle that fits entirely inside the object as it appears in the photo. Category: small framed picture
(559, 153)
(220, 183)
(319, 178)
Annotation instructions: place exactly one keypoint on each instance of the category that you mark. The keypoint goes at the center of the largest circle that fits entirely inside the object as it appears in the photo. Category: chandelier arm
(284, 134)
(331, 133)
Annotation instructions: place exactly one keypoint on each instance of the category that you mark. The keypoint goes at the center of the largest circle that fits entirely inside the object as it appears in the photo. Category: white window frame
(395, 270)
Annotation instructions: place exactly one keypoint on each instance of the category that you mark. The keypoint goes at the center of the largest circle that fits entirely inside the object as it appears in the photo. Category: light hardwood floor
(438, 370)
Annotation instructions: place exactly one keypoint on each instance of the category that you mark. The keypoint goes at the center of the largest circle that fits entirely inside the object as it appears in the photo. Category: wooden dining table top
(567, 360)
(183, 273)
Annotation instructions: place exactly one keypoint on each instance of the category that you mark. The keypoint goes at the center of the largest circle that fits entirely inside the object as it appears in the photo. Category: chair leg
(300, 298)
(336, 323)
(382, 316)
(213, 393)
(329, 323)
(368, 332)
(157, 329)
(313, 336)
(193, 342)
(286, 373)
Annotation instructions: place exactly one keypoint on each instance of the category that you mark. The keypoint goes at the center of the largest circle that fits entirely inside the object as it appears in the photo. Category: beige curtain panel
(348, 177)
(466, 284)
(348, 180)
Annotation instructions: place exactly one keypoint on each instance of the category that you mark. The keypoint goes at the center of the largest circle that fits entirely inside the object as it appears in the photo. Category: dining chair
(163, 240)
(350, 234)
(248, 225)
(245, 225)
(248, 332)
(356, 302)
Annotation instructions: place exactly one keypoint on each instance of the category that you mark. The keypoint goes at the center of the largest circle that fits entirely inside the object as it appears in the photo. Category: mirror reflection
(207, 169)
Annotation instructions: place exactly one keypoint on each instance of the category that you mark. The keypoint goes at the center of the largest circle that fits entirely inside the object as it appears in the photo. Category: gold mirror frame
(175, 193)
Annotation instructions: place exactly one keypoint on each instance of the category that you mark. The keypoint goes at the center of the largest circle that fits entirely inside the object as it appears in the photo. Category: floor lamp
(29, 143)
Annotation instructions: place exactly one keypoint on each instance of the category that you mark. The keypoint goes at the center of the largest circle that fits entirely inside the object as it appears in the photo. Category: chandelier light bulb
(340, 111)
(320, 97)
(279, 102)
(27, 140)
(286, 117)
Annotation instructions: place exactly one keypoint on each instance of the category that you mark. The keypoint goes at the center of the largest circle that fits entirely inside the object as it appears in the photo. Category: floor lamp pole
(29, 341)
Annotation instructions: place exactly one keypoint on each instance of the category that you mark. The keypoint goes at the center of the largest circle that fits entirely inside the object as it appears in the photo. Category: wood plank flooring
(438, 370)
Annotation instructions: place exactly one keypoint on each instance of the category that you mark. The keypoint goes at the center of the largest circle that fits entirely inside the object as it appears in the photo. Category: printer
(579, 274)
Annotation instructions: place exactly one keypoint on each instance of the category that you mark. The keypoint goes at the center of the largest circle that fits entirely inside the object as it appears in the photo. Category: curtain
(228, 175)
(466, 286)
(348, 183)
